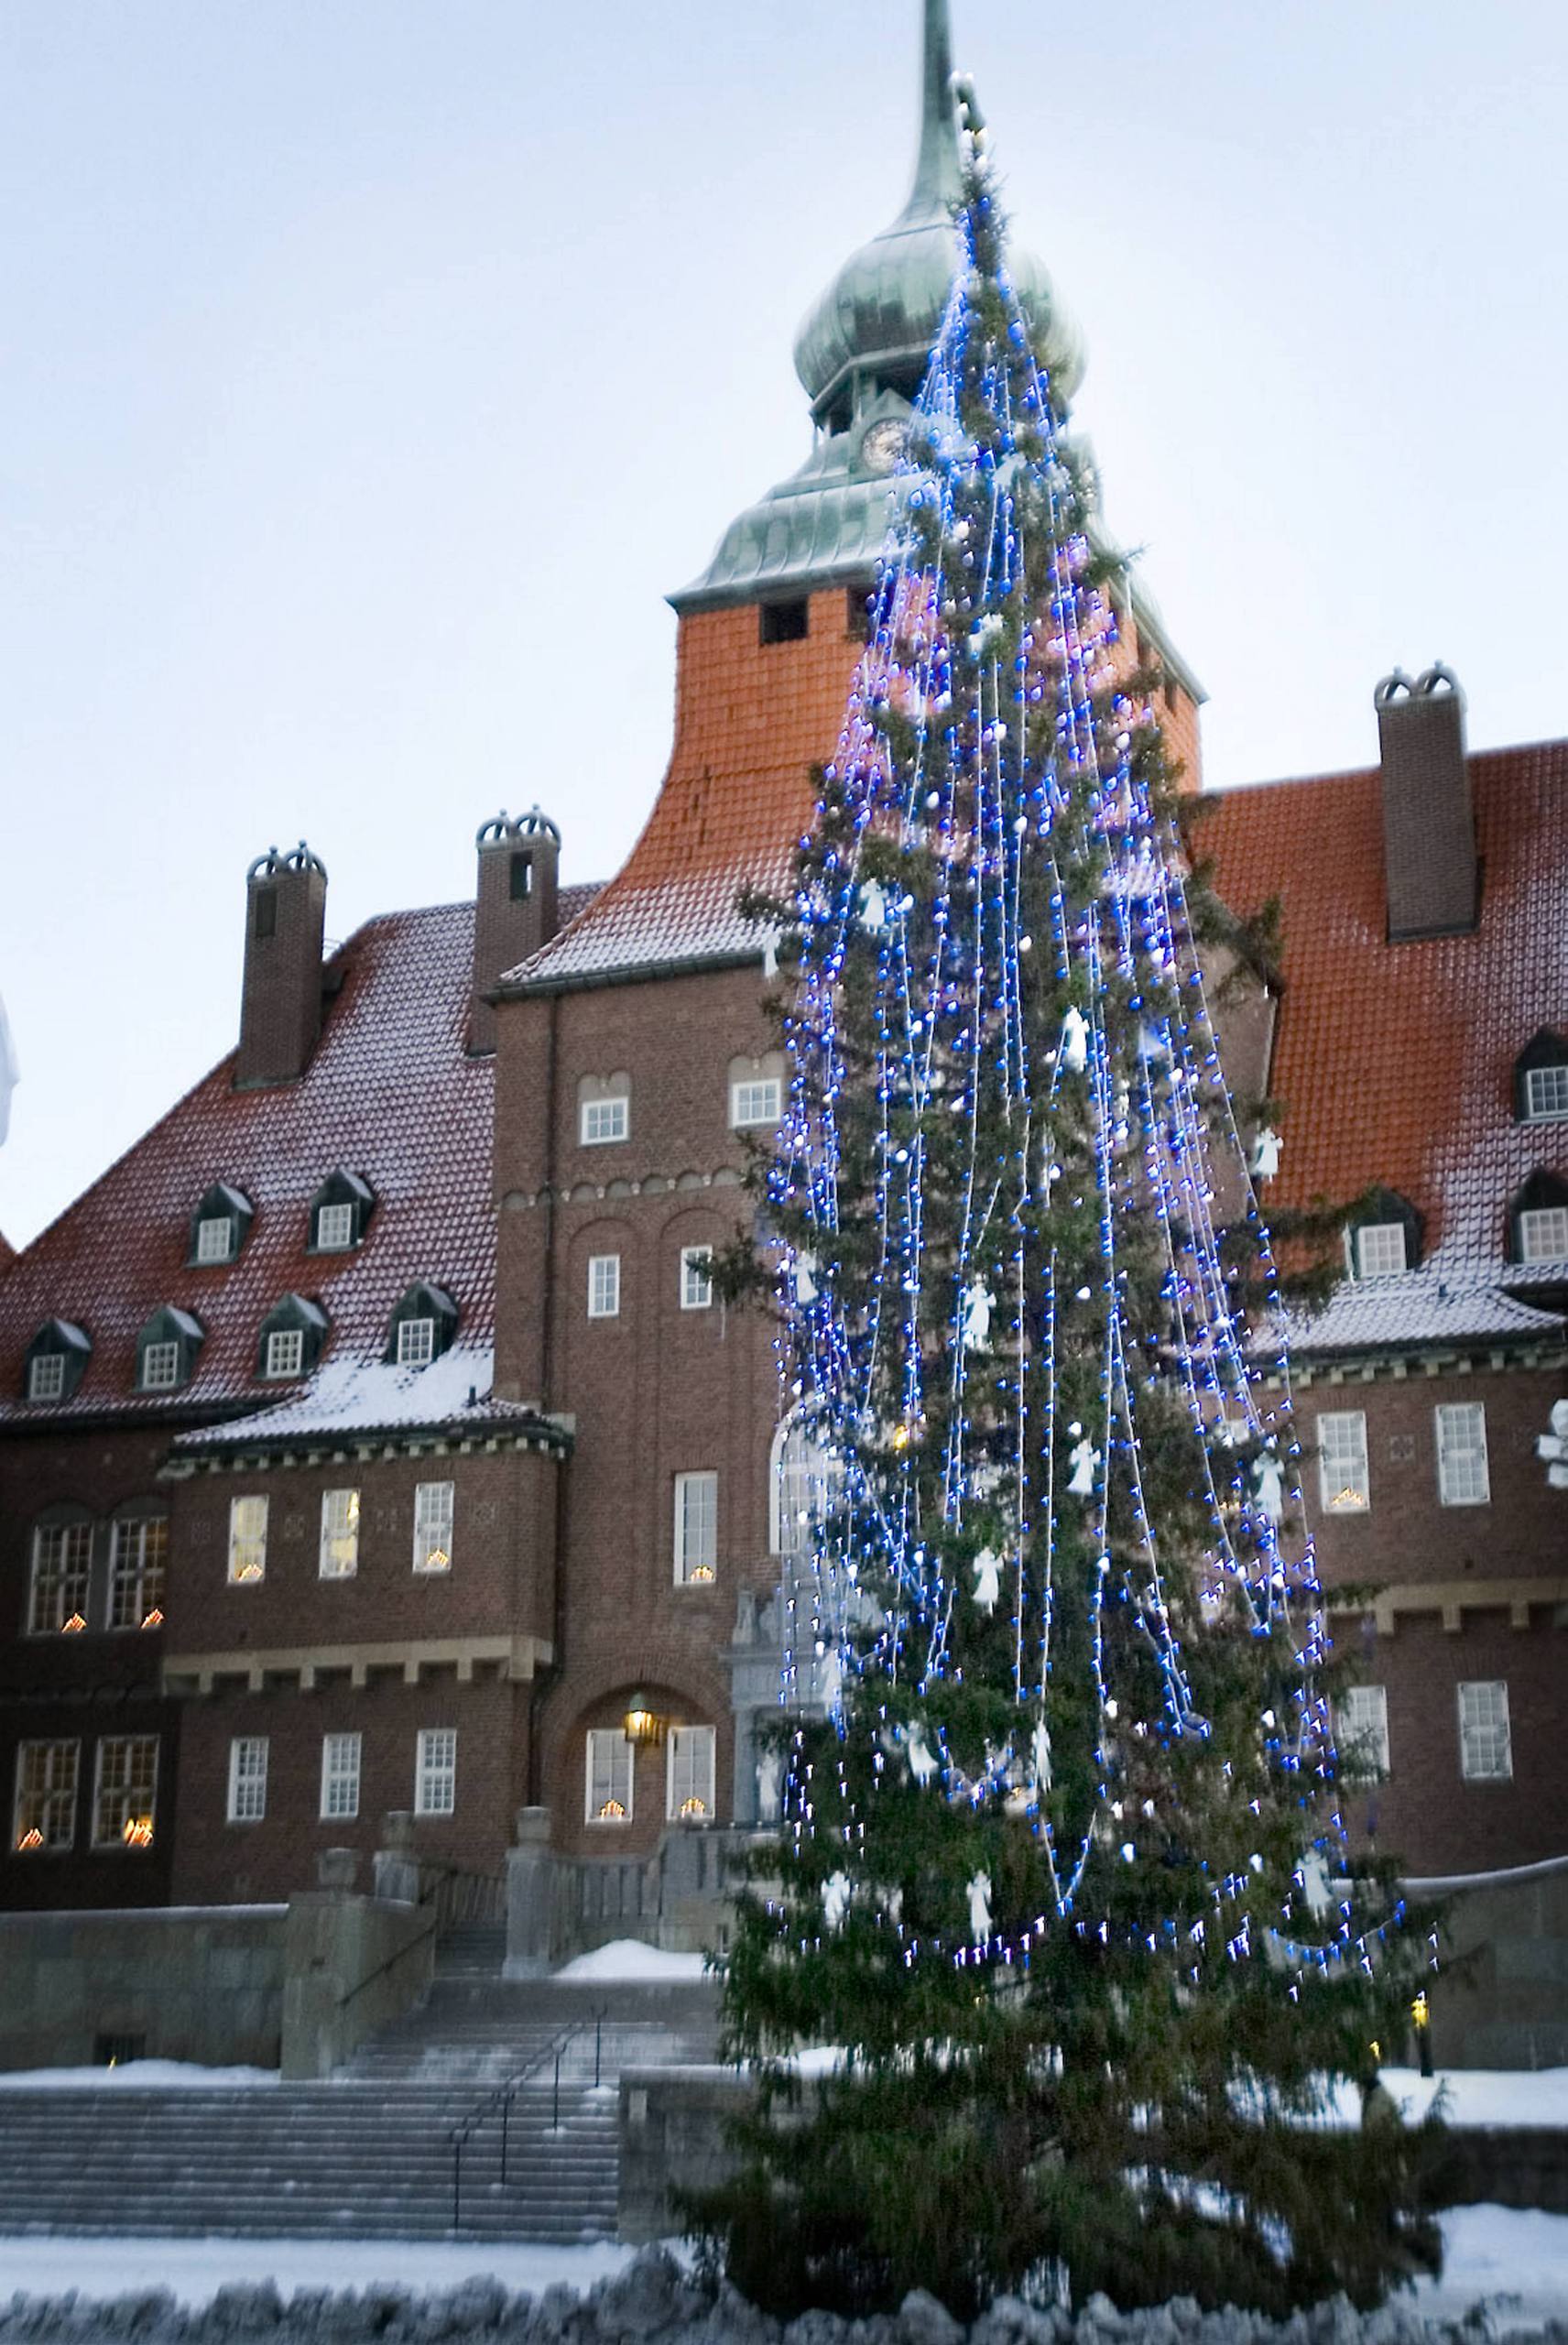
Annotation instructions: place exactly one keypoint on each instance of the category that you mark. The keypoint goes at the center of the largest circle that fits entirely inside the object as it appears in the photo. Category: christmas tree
(1060, 1871)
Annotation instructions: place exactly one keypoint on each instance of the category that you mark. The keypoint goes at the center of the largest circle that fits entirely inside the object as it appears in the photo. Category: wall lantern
(644, 1729)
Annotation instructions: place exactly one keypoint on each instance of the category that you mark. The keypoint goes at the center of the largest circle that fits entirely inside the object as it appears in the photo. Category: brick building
(372, 1437)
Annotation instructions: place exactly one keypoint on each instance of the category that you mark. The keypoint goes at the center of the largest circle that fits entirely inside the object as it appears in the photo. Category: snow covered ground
(136, 2075)
(626, 1959)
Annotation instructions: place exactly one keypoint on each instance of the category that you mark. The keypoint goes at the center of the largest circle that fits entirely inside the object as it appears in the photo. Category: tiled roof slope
(1394, 1062)
(390, 1093)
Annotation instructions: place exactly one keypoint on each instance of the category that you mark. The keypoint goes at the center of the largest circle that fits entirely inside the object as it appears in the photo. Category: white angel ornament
(921, 1757)
(1074, 1045)
(987, 1570)
(835, 1899)
(1269, 1486)
(1263, 1163)
(980, 1908)
(1084, 1458)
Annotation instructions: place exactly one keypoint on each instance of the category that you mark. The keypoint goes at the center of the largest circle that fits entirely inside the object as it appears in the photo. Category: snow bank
(136, 2075)
(625, 1959)
(1473, 2096)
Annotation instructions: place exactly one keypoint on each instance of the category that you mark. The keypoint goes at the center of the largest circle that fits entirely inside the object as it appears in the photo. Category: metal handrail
(462, 2132)
(391, 1963)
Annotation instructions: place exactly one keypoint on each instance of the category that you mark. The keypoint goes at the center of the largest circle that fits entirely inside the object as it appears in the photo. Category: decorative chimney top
(517, 908)
(280, 995)
(1429, 832)
(298, 858)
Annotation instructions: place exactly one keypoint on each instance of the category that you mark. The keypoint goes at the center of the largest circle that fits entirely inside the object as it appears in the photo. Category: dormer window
(423, 1325)
(1540, 1220)
(292, 1337)
(1383, 1237)
(339, 1210)
(166, 1350)
(219, 1226)
(1379, 1250)
(56, 1362)
(1540, 1079)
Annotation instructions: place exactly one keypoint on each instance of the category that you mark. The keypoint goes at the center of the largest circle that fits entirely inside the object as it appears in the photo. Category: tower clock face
(883, 445)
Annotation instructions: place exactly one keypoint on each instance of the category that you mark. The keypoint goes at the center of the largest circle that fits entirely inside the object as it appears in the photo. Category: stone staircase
(367, 2153)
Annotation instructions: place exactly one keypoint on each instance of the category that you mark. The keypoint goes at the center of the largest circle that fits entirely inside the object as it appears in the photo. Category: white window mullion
(434, 1508)
(1463, 1477)
(1485, 1748)
(339, 1776)
(688, 1773)
(609, 1777)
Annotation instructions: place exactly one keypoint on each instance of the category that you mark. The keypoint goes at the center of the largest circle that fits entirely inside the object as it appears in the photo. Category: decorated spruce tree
(1060, 1871)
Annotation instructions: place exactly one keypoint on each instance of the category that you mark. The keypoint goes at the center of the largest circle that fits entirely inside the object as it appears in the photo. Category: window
(1543, 1234)
(339, 1553)
(435, 1771)
(125, 1791)
(166, 1349)
(1485, 1755)
(416, 1343)
(284, 1352)
(56, 1360)
(605, 1120)
(340, 1775)
(784, 622)
(1461, 1477)
(160, 1367)
(757, 1101)
(805, 1488)
(696, 1278)
(688, 1773)
(339, 1212)
(215, 1238)
(1343, 1486)
(1545, 1093)
(1379, 1250)
(433, 1508)
(609, 1776)
(44, 1816)
(46, 1377)
(247, 1539)
(62, 1560)
(604, 1286)
(334, 1228)
(1363, 1726)
(218, 1226)
(248, 1779)
(696, 1527)
(139, 1561)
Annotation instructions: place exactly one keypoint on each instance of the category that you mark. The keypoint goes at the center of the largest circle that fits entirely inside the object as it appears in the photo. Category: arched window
(804, 1486)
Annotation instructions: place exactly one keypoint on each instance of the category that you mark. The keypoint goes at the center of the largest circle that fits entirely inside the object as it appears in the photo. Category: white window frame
(611, 1776)
(62, 1561)
(756, 1099)
(435, 1511)
(161, 1365)
(1463, 1478)
(601, 1122)
(340, 1757)
(435, 1771)
(690, 1773)
(1362, 1727)
(1485, 1737)
(416, 1342)
(1337, 1490)
(215, 1238)
(248, 1756)
(334, 1228)
(284, 1352)
(247, 1539)
(1543, 1234)
(696, 1278)
(46, 1377)
(134, 1798)
(1545, 1093)
(51, 1802)
(804, 1484)
(696, 1528)
(337, 1554)
(138, 1571)
(1376, 1239)
(604, 1286)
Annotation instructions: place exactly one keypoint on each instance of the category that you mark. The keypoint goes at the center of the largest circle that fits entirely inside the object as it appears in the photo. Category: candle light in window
(74, 1626)
(139, 1832)
(31, 1839)
(154, 1620)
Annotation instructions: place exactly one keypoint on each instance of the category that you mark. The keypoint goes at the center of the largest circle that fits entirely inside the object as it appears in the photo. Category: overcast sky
(375, 368)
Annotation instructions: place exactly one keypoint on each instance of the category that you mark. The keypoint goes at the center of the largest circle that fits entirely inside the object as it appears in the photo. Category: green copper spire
(936, 172)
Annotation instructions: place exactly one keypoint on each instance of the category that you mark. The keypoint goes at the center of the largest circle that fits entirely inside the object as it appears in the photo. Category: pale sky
(375, 368)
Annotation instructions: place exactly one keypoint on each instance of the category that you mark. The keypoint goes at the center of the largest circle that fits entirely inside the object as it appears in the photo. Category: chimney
(519, 864)
(1429, 832)
(280, 1000)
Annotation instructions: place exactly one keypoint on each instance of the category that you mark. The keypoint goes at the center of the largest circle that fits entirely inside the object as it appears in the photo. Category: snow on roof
(1419, 1308)
(350, 1395)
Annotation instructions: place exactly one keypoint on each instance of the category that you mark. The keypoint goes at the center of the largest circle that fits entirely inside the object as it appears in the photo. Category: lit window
(696, 1278)
(215, 1238)
(1462, 1476)
(138, 1562)
(125, 1791)
(688, 1773)
(247, 1539)
(45, 1375)
(285, 1351)
(334, 1228)
(62, 1560)
(340, 1775)
(1486, 1753)
(434, 1504)
(248, 1779)
(1545, 1093)
(160, 1367)
(435, 1771)
(1344, 1485)
(339, 1553)
(416, 1342)
(609, 1776)
(604, 1286)
(1379, 1250)
(44, 1817)
(1363, 1729)
(759, 1101)
(696, 1528)
(1543, 1234)
(605, 1120)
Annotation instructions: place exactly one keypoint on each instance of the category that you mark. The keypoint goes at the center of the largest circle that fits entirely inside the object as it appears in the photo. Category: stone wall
(1500, 2000)
(200, 1983)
